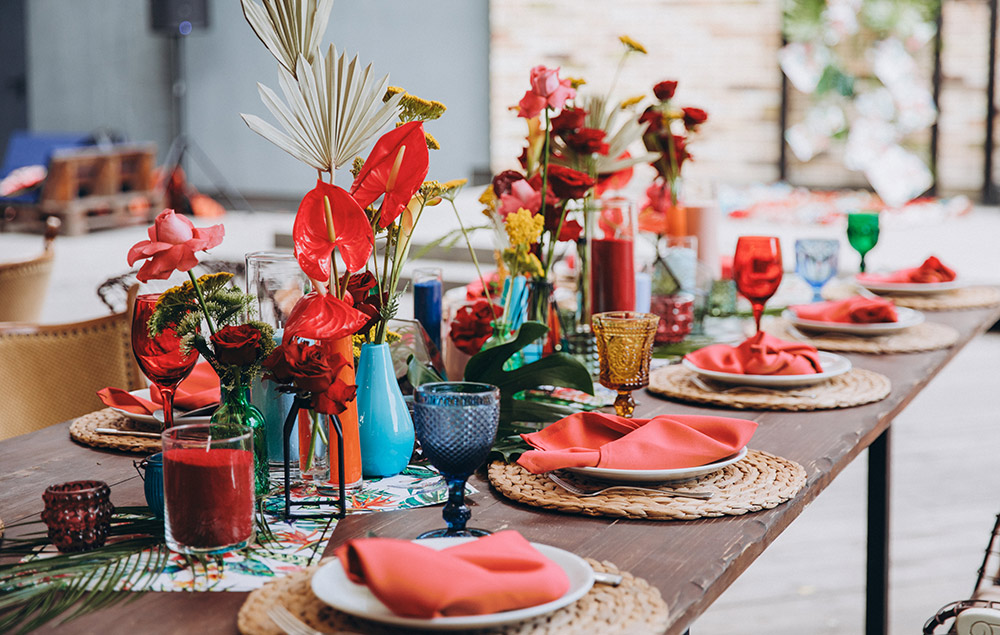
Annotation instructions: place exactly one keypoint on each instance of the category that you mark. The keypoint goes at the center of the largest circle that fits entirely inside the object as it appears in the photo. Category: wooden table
(691, 562)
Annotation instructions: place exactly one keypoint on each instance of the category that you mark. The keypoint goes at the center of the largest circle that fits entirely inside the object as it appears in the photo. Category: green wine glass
(862, 232)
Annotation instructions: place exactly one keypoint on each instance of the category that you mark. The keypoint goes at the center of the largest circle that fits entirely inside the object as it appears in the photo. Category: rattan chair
(51, 373)
(23, 283)
(980, 614)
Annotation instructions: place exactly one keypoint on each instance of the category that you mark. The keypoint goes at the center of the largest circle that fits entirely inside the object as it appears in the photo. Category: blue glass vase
(384, 422)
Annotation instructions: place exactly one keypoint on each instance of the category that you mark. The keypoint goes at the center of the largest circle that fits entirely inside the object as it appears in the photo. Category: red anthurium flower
(396, 168)
(173, 239)
(319, 317)
(352, 235)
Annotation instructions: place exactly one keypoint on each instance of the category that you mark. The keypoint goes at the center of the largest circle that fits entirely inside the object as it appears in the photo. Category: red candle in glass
(612, 264)
(78, 515)
(757, 270)
(208, 485)
(160, 357)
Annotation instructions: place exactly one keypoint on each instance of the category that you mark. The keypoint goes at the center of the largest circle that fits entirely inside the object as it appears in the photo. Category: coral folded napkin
(854, 310)
(595, 439)
(761, 354)
(933, 270)
(500, 572)
(199, 389)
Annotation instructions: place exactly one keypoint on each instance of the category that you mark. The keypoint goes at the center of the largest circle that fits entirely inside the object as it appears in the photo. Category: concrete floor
(811, 580)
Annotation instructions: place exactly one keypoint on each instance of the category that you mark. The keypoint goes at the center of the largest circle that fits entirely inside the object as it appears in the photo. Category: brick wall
(723, 53)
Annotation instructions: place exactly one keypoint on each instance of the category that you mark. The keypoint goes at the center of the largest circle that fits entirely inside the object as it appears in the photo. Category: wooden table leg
(877, 580)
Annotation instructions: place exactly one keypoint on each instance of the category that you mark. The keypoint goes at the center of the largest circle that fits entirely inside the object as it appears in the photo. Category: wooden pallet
(95, 188)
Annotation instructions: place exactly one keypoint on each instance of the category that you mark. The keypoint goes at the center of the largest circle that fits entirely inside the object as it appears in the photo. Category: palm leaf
(289, 28)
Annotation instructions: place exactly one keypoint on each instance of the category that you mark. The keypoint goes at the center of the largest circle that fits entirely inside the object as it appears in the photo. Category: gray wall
(95, 63)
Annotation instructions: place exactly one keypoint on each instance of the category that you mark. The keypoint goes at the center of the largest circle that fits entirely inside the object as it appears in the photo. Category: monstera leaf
(558, 369)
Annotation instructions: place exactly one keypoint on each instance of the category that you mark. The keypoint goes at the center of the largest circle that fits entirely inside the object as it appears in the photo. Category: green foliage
(38, 590)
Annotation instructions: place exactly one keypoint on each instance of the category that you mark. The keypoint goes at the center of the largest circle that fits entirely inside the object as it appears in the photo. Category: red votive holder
(612, 262)
(676, 317)
(78, 515)
(208, 488)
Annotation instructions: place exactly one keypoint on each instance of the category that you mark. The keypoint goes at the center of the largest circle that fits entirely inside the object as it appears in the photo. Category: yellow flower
(432, 143)
(356, 166)
(488, 197)
(450, 189)
(632, 45)
(576, 82)
(392, 91)
(631, 101)
(523, 227)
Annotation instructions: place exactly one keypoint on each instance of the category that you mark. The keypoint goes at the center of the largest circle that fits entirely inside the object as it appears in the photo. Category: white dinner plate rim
(906, 318)
(911, 288)
(331, 585)
(144, 393)
(658, 476)
(835, 364)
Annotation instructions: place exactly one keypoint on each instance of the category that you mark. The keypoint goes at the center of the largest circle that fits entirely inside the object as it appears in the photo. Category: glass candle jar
(78, 515)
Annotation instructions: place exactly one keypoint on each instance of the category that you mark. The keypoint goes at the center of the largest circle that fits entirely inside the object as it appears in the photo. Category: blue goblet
(456, 423)
(816, 262)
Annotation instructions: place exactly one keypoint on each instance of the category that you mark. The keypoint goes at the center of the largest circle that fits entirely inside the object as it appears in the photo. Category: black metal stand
(341, 500)
(877, 576)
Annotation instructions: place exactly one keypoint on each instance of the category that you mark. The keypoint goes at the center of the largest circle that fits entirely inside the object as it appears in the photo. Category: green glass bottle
(236, 409)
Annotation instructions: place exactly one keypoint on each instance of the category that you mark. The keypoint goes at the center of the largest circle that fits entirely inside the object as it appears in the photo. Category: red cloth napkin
(595, 439)
(500, 572)
(762, 354)
(200, 388)
(856, 310)
(933, 270)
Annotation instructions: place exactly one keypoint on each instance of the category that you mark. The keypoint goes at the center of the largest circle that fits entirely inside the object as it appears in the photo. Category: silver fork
(701, 383)
(579, 491)
(292, 625)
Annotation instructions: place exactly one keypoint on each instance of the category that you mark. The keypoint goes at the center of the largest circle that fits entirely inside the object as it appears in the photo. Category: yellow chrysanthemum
(523, 227)
(632, 45)
(631, 101)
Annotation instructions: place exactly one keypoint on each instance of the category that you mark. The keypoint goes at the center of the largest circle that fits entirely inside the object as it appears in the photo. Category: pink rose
(547, 91)
(173, 239)
(521, 195)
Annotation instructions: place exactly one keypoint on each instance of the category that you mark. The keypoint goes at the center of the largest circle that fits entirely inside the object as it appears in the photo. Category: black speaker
(178, 16)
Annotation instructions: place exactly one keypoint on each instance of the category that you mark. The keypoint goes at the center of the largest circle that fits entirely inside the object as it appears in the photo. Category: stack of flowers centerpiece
(667, 134)
(235, 348)
(544, 190)
(333, 108)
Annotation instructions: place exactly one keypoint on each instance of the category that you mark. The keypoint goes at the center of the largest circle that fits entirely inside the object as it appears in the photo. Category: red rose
(568, 120)
(307, 366)
(236, 345)
(568, 183)
(502, 182)
(694, 117)
(653, 119)
(665, 90)
(471, 326)
(587, 141)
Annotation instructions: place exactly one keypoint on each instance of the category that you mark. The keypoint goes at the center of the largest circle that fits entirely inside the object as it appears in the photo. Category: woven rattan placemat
(926, 336)
(854, 388)
(632, 607)
(758, 481)
(975, 297)
(84, 430)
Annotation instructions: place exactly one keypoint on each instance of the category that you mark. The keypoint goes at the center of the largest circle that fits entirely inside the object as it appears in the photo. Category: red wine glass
(160, 357)
(757, 270)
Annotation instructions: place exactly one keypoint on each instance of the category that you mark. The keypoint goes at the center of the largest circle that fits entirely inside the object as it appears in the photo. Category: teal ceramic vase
(384, 421)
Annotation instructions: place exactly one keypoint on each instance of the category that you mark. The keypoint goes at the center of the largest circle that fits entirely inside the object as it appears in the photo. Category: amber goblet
(624, 347)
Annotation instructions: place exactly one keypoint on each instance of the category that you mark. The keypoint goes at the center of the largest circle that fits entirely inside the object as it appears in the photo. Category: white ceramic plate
(832, 364)
(656, 476)
(153, 419)
(331, 585)
(905, 318)
(910, 288)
